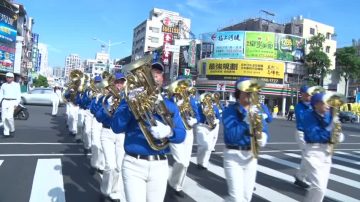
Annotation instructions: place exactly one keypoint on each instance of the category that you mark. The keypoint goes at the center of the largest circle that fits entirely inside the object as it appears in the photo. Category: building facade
(72, 62)
(43, 59)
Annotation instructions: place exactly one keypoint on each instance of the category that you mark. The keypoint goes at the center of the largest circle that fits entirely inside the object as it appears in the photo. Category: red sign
(168, 39)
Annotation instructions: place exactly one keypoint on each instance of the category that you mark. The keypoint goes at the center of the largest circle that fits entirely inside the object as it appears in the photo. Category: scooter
(20, 113)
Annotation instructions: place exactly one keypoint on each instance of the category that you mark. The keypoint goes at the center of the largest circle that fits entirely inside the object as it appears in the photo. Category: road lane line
(197, 192)
(290, 179)
(261, 191)
(22, 155)
(48, 182)
(333, 177)
(334, 165)
(1, 161)
(347, 154)
(39, 143)
(346, 160)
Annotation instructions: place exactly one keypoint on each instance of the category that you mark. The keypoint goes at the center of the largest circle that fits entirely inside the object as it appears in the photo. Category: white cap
(9, 74)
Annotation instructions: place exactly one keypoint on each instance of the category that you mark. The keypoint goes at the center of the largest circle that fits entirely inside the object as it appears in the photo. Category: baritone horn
(256, 126)
(315, 89)
(208, 109)
(111, 93)
(145, 100)
(335, 101)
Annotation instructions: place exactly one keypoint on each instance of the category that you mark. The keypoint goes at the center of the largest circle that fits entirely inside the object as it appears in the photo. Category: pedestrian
(240, 165)
(291, 112)
(10, 96)
(146, 170)
(55, 98)
(318, 126)
(275, 111)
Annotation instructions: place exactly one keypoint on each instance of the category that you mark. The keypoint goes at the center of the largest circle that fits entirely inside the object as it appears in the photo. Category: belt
(149, 157)
(108, 127)
(246, 148)
(9, 99)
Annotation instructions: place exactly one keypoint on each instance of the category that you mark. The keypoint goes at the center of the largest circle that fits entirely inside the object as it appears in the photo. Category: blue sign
(229, 44)
(357, 100)
(7, 25)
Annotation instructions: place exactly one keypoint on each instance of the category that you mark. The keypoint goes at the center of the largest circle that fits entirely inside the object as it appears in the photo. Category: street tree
(317, 62)
(41, 81)
(347, 64)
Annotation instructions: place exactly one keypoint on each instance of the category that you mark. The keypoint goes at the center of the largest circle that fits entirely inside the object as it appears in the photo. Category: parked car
(40, 96)
(347, 116)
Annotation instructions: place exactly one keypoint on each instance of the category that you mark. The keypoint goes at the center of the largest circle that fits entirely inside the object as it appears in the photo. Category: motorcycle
(20, 113)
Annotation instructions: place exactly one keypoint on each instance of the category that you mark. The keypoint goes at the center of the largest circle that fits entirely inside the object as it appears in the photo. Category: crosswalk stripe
(48, 182)
(197, 192)
(262, 191)
(336, 178)
(346, 160)
(329, 193)
(334, 165)
(1, 161)
(347, 154)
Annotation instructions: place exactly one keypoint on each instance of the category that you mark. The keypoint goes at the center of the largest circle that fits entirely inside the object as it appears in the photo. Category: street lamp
(109, 44)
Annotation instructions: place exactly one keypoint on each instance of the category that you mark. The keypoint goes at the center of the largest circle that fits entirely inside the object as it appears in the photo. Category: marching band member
(205, 135)
(318, 125)
(55, 99)
(113, 146)
(221, 109)
(145, 170)
(181, 152)
(97, 157)
(73, 109)
(239, 161)
(81, 118)
(88, 117)
(300, 109)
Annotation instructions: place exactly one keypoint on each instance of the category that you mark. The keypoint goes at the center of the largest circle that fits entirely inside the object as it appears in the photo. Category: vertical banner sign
(168, 39)
(174, 66)
(229, 44)
(192, 54)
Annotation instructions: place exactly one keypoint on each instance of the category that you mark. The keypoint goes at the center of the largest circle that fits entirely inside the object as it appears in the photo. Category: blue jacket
(85, 100)
(315, 127)
(202, 118)
(78, 99)
(300, 109)
(268, 113)
(123, 121)
(236, 130)
(102, 116)
(93, 106)
(194, 106)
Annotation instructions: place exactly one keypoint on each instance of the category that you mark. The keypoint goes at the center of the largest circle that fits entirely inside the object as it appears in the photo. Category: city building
(257, 24)
(43, 59)
(58, 72)
(149, 34)
(72, 62)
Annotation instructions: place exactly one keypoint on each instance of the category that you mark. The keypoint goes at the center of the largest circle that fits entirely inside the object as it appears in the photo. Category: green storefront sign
(260, 45)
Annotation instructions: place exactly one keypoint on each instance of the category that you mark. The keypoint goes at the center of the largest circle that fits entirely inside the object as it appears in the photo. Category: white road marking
(48, 182)
(39, 143)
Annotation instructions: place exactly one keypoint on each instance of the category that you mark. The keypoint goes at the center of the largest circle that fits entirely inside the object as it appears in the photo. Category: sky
(69, 26)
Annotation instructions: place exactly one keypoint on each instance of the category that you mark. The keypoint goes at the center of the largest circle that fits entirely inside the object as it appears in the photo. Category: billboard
(233, 69)
(229, 44)
(290, 48)
(260, 45)
(192, 54)
(7, 58)
(7, 25)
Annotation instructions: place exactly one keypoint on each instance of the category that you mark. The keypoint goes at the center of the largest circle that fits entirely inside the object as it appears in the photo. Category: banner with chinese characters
(233, 69)
(229, 44)
(168, 39)
(192, 54)
(260, 45)
(290, 48)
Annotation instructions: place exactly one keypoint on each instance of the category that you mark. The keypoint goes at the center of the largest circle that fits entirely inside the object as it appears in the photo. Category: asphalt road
(42, 152)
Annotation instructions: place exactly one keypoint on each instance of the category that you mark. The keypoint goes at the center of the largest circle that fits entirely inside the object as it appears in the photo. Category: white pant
(68, 114)
(88, 119)
(73, 118)
(113, 146)
(318, 161)
(240, 173)
(55, 105)
(97, 157)
(205, 138)
(302, 172)
(7, 115)
(144, 181)
(80, 124)
(182, 155)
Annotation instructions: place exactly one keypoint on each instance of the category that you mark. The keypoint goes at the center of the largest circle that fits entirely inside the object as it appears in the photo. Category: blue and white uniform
(145, 171)
(88, 118)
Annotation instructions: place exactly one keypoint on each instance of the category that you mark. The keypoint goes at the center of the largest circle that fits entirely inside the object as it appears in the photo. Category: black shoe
(114, 200)
(301, 183)
(100, 171)
(180, 194)
(200, 167)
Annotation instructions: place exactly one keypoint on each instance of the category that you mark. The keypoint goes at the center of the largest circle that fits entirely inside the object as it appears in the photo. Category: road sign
(186, 72)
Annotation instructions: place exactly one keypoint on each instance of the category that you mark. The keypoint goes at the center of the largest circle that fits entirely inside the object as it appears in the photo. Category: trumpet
(256, 127)
(179, 89)
(145, 100)
(208, 110)
(335, 101)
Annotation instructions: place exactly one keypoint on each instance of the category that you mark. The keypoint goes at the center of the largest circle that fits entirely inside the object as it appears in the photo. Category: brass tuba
(255, 119)
(216, 99)
(179, 89)
(145, 100)
(113, 93)
(208, 109)
(315, 89)
(335, 101)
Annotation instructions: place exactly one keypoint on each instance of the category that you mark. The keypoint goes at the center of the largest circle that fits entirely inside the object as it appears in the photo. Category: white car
(41, 96)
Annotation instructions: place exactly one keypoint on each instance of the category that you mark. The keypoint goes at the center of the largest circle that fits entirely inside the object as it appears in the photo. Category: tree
(41, 81)
(317, 61)
(347, 64)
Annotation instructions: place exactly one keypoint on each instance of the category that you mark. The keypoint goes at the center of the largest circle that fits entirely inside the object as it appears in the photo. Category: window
(312, 31)
(155, 30)
(327, 49)
(154, 39)
(328, 35)
(37, 91)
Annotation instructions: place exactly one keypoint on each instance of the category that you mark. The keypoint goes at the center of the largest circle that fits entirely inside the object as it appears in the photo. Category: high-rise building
(72, 62)
(43, 59)
(149, 34)
(58, 72)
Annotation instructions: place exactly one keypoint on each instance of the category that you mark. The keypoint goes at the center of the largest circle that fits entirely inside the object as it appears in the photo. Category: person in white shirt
(10, 96)
(56, 97)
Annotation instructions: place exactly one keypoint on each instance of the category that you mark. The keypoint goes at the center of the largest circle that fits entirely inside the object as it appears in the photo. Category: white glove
(341, 137)
(191, 121)
(216, 121)
(179, 102)
(264, 116)
(220, 111)
(161, 130)
(263, 140)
